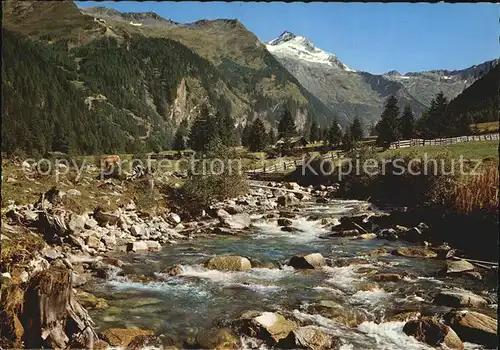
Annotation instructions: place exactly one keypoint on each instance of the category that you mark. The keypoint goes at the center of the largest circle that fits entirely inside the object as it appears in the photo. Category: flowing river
(199, 298)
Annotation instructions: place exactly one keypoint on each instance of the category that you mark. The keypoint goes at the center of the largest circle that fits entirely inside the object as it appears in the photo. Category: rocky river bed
(280, 267)
(362, 295)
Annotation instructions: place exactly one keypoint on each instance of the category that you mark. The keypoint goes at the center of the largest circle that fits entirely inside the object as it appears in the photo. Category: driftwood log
(52, 317)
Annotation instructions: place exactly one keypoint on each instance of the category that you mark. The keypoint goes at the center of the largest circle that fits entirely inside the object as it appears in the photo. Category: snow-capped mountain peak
(289, 45)
(284, 37)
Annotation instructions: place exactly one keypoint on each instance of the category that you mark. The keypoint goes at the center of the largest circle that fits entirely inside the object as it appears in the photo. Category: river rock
(90, 223)
(377, 252)
(217, 339)
(30, 216)
(367, 236)
(138, 230)
(122, 337)
(271, 327)
(137, 246)
(386, 277)
(414, 252)
(93, 242)
(104, 218)
(432, 332)
(309, 261)
(174, 218)
(350, 317)
(90, 301)
(237, 222)
(229, 263)
(288, 200)
(234, 209)
(77, 222)
(344, 233)
(459, 298)
(50, 253)
(174, 270)
(413, 235)
(474, 327)
(456, 267)
(292, 186)
(309, 337)
(388, 233)
(145, 342)
(284, 222)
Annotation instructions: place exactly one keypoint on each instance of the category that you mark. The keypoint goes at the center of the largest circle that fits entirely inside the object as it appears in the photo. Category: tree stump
(52, 317)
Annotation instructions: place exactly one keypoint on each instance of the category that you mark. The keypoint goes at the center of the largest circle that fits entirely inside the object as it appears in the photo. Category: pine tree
(373, 129)
(407, 124)
(286, 126)
(245, 135)
(258, 136)
(314, 133)
(179, 143)
(356, 129)
(202, 130)
(334, 136)
(441, 122)
(347, 141)
(271, 137)
(387, 127)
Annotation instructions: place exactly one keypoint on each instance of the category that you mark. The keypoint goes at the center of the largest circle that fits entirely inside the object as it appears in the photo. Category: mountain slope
(350, 93)
(480, 100)
(256, 76)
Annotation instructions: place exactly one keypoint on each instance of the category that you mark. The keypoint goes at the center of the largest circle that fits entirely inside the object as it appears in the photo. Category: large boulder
(174, 218)
(430, 331)
(238, 222)
(459, 298)
(271, 327)
(229, 263)
(288, 200)
(414, 252)
(137, 246)
(122, 337)
(457, 267)
(218, 339)
(309, 337)
(284, 222)
(309, 261)
(348, 316)
(76, 222)
(474, 327)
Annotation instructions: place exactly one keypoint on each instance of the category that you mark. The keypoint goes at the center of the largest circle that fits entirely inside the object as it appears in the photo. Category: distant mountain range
(143, 74)
(351, 93)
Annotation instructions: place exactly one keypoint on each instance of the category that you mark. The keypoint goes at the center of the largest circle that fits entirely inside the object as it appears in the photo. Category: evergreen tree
(356, 129)
(373, 129)
(271, 137)
(334, 136)
(314, 134)
(286, 126)
(387, 127)
(441, 122)
(258, 136)
(179, 143)
(407, 124)
(245, 135)
(347, 141)
(202, 130)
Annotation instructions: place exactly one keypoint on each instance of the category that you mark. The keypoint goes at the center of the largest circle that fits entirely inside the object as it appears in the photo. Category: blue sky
(373, 37)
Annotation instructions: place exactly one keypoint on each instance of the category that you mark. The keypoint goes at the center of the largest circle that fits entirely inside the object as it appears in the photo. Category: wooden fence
(443, 141)
(285, 166)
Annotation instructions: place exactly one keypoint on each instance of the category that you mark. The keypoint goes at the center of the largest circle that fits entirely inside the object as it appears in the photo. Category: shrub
(477, 192)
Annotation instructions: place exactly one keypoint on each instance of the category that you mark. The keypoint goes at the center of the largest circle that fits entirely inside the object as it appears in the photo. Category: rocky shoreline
(85, 246)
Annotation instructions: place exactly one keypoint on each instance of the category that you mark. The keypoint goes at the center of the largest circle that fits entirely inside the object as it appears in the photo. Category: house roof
(292, 140)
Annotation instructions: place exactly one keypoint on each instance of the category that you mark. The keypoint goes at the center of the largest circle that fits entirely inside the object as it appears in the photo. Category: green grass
(485, 150)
